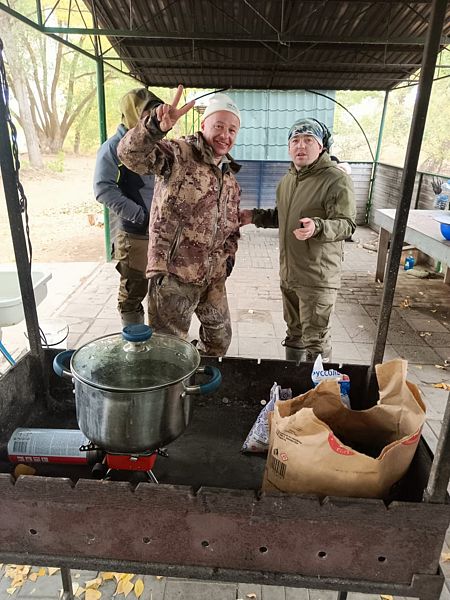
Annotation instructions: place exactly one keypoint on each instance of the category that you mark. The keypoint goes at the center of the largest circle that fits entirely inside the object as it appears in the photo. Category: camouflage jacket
(194, 219)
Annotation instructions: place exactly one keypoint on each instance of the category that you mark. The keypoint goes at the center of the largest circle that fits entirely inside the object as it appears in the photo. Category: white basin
(11, 307)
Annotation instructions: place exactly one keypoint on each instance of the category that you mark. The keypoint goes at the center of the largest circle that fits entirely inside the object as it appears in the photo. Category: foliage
(368, 106)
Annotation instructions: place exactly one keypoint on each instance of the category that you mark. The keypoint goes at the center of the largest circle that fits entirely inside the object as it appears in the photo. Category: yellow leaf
(42, 571)
(80, 591)
(127, 588)
(11, 590)
(93, 583)
(138, 588)
(92, 594)
(383, 597)
(159, 577)
(106, 576)
(23, 470)
(33, 576)
(118, 576)
(445, 556)
(52, 570)
(442, 386)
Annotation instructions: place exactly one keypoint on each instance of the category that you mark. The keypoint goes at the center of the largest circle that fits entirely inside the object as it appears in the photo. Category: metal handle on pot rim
(60, 364)
(205, 388)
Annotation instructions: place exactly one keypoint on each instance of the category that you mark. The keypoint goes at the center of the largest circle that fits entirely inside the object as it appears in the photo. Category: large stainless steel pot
(132, 390)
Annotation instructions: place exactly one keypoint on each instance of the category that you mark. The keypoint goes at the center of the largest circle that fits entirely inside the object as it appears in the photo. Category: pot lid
(135, 360)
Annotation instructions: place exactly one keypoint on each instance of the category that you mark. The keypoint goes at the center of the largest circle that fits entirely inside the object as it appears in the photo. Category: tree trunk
(34, 152)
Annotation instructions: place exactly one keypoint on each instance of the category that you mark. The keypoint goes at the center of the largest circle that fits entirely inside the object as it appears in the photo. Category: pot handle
(59, 364)
(206, 388)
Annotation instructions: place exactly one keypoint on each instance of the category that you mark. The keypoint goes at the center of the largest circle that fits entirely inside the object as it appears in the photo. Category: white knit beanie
(221, 102)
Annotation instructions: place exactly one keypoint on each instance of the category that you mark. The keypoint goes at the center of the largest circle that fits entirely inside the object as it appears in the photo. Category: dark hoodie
(126, 193)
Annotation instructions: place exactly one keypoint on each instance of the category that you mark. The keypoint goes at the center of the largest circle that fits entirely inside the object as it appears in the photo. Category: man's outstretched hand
(169, 114)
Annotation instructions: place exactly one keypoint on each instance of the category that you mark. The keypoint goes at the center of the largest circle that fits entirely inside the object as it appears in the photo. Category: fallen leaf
(406, 303)
(383, 597)
(11, 590)
(251, 595)
(442, 386)
(138, 587)
(159, 577)
(33, 576)
(445, 556)
(42, 571)
(93, 584)
(52, 570)
(440, 367)
(124, 587)
(92, 594)
(80, 591)
(118, 576)
(106, 575)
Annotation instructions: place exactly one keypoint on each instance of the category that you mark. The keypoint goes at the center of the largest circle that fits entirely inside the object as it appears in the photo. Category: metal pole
(103, 136)
(431, 50)
(66, 579)
(377, 155)
(436, 491)
(18, 234)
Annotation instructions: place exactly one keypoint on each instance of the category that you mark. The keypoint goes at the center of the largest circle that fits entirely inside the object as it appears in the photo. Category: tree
(17, 80)
(52, 84)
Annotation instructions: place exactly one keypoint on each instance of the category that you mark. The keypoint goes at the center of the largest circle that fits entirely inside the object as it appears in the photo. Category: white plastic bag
(320, 374)
(258, 438)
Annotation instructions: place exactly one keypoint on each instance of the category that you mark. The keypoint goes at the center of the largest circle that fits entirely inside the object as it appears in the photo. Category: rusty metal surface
(230, 529)
(207, 519)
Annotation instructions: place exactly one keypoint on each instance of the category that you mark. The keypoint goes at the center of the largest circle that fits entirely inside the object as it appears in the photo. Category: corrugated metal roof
(268, 44)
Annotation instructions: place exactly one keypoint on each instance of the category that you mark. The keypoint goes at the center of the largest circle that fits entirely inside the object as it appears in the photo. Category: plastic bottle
(442, 200)
(409, 262)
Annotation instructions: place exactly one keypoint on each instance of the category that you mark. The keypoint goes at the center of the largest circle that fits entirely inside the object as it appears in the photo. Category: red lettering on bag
(336, 446)
(412, 438)
(283, 456)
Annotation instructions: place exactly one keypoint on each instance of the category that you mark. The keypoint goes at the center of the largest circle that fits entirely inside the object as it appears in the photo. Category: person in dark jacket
(129, 196)
(315, 212)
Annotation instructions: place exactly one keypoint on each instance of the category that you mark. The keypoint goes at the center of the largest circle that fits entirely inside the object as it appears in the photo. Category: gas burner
(140, 465)
(71, 447)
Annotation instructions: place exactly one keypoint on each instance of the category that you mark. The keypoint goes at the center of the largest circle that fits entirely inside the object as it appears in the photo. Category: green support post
(103, 136)
(377, 155)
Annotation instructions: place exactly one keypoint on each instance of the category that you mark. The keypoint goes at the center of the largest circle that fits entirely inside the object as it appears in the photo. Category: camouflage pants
(131, 252)
(172, 304)
(307, 312)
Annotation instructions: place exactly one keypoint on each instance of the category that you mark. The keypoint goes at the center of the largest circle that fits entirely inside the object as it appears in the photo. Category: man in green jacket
(315, 212)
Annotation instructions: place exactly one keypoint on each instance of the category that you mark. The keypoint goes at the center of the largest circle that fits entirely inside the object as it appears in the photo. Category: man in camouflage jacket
(315, 212)
(194, 220)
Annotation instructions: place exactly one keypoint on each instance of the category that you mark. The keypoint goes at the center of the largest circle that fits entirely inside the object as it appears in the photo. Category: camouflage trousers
(131, 252)
(172, 304)
(307, 312)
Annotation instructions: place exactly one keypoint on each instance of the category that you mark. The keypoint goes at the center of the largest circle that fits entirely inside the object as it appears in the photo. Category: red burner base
(128, 462)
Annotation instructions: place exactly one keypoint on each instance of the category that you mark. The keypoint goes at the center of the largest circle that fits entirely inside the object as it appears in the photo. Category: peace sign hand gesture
(168, 114)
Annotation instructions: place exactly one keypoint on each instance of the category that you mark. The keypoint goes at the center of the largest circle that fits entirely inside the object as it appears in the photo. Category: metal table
(422, 231)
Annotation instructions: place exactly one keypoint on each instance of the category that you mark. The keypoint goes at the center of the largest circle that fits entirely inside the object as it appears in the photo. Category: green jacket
(323, 193)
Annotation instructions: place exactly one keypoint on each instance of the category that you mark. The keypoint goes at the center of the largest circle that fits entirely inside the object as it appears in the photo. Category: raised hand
(168, 114)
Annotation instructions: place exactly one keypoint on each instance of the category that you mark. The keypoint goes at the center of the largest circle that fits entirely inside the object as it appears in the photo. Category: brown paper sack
(319, 446)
